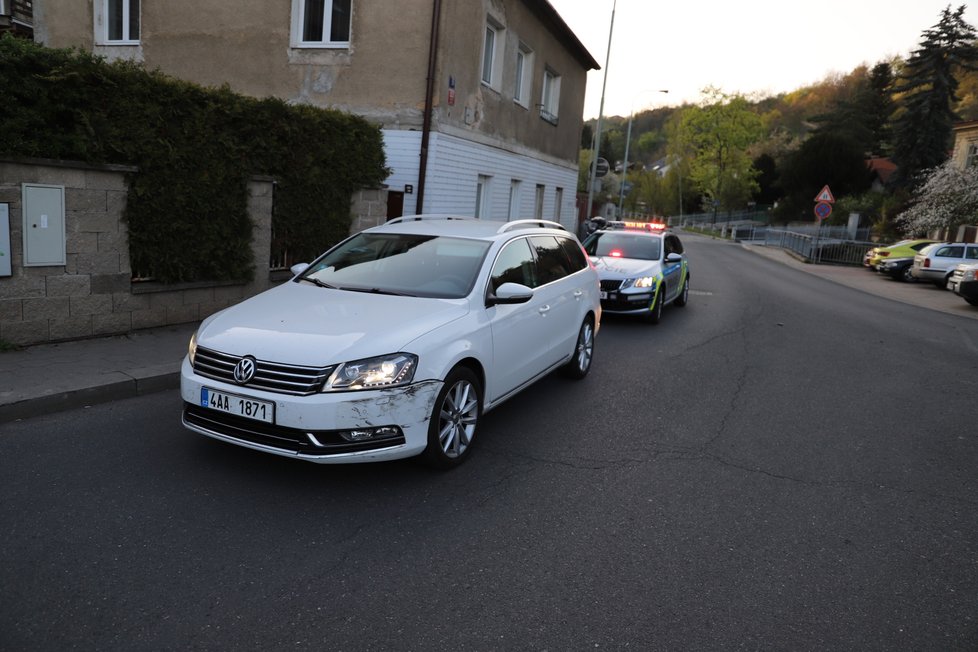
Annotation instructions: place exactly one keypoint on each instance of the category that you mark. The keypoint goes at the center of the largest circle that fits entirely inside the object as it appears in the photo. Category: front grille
(610, 286)
(619, 305)
(269, 376)
(288, 439)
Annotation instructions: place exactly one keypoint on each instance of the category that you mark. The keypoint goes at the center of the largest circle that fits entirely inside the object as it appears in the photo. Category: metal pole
(597, 135)
(624, 167)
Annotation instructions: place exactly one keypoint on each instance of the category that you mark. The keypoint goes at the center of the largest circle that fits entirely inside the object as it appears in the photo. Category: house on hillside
(480, 103)
(881, 170)
(965, 153)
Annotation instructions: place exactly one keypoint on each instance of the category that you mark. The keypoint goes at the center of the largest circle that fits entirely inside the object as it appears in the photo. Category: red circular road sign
(823, 209)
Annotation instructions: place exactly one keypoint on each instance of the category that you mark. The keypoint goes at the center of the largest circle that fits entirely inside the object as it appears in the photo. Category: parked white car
(395, 342)
(935, 262)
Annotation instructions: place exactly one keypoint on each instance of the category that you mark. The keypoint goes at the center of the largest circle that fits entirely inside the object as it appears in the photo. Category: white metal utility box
(44, 225)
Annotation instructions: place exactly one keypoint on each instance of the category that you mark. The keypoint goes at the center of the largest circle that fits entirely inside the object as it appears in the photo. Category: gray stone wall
(92, 294)
(369, 209)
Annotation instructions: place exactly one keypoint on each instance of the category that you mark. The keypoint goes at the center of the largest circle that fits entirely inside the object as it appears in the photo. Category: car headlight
(192, 348)
(383, 371)
(970, 275)
(644, 282)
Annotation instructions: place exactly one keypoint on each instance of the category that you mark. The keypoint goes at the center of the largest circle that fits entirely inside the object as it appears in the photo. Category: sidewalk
(51, 377)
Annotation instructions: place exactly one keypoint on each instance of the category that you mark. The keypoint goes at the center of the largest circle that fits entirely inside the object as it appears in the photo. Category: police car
(641, 267)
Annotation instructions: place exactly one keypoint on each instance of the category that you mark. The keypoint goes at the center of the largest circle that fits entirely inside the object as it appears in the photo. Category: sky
(746, 46)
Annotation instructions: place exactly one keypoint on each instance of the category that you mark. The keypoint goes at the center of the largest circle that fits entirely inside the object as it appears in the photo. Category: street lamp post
(624, 165)
(597, 134)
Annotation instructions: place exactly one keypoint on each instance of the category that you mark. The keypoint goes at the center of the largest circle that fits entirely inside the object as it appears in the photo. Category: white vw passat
(395, 342)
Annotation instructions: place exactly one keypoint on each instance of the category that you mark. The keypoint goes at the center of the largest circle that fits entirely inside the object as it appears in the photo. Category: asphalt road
(783, 464)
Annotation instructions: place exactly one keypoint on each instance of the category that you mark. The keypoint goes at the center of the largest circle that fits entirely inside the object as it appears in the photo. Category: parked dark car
(900, 269)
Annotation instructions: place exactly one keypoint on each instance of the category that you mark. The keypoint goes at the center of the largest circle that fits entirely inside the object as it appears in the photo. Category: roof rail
(522, 224)
(419, 218)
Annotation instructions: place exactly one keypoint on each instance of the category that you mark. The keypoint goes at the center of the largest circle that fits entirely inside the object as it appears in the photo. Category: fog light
(363, 434)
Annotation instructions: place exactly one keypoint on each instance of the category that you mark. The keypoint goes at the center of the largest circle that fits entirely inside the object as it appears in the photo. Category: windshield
(409, 265)
(623, 245)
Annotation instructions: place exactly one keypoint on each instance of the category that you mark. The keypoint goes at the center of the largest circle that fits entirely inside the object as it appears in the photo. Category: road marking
(701, 293)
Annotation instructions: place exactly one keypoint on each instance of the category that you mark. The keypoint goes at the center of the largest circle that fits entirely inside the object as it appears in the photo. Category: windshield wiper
(380, 291)
(316, 281)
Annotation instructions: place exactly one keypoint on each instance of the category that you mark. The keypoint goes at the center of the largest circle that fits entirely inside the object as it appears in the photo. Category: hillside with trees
(730, 153)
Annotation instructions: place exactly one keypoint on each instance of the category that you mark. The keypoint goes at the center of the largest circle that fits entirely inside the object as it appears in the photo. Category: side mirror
(674, 258)
(298, 268)
(509, 293)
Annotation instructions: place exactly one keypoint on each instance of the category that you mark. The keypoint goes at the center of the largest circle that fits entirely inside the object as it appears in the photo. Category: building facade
(480, 101)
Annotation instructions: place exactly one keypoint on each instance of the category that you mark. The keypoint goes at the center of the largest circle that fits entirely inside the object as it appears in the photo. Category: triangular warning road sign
(825, 195)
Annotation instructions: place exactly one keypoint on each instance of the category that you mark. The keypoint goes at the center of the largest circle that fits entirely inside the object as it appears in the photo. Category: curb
(146, 381)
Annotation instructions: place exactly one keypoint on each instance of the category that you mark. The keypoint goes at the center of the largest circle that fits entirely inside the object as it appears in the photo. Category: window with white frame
(492, 53)
(550, 100)
(538, 204)
(321, 23)
(524, 75)
(482, 197)
(558, 200)
(117, 22)
(972, 156)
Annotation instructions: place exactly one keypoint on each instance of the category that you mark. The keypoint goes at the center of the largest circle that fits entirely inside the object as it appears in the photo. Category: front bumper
(307, 427)
(965, 289)
(627, 304)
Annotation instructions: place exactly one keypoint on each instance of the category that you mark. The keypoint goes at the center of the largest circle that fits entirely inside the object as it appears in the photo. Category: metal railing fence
(819, 247)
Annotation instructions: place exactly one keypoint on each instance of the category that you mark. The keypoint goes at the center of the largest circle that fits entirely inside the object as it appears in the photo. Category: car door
(520, 332)
(672, 272)
(562, 289)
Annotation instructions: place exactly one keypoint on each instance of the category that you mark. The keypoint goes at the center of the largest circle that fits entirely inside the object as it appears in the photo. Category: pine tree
(863, 117)
(923, 131)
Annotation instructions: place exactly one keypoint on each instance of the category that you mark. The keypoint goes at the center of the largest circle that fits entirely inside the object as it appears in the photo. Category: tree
(946, 199)
(923, 131)
(825, 158)
(863, 115)
(719, 133)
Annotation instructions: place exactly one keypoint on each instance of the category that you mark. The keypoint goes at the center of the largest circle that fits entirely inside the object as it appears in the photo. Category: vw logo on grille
(244, 371)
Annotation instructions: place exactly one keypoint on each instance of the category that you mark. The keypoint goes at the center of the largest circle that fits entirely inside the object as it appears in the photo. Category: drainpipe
(429, 94)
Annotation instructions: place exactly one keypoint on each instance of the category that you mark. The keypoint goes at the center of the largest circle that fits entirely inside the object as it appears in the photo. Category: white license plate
(604, 295)
(240, 406)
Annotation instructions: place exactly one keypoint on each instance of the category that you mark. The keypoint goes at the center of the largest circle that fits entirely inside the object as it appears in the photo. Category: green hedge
(195, 149)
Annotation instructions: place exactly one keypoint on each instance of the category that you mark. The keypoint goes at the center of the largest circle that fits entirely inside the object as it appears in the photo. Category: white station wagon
(395, 342)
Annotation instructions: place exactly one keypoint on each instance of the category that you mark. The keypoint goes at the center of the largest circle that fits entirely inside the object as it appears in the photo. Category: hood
(307, 325)
(612, 267)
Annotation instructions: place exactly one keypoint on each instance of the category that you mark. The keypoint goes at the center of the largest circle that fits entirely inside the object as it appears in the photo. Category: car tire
(973, 302)
(683, 297)
(454, 420)
(580, 363)
(655, 310)
(906, 275)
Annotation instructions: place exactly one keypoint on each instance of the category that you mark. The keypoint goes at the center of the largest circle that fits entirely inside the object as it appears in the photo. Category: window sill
(548, 117)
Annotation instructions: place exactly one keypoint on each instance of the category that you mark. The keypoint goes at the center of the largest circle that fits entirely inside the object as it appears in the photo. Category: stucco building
(965, 152)
(480, 101)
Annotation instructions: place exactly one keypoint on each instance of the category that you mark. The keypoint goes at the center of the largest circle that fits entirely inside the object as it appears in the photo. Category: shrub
(195, 149)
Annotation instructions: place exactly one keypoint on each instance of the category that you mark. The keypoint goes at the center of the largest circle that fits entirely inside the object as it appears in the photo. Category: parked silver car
(936, 262)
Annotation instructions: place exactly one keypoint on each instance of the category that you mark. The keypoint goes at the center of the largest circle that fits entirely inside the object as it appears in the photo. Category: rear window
(955, 251)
